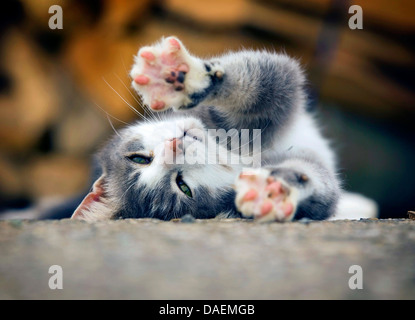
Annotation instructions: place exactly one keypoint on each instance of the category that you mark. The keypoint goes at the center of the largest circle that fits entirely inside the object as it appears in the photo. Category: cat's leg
(298, 187)
(239, 90)
(166, 75)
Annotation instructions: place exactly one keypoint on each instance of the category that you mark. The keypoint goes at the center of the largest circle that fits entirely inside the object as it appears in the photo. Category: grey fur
(130, 198)
(258, 90)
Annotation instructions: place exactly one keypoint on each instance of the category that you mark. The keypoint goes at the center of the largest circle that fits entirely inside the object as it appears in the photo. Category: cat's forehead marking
(134, 146)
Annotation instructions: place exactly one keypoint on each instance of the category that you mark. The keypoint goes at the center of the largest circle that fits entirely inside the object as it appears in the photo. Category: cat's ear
(95, 205)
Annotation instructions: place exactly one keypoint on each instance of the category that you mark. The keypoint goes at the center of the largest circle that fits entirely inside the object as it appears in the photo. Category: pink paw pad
(250, 195)
(266, 207)
(157, 105)
(263, 196)
(171, 52)
(274, 188)
(160, 74)
(147, 55)
(142, 80)
(176, 78)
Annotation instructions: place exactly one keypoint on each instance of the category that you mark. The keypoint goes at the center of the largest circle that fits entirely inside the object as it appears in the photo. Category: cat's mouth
(183, 187)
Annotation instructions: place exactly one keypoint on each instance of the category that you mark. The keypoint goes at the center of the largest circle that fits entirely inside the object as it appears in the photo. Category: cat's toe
(264, 197)
(158, 105)
(148, 55)
(141, 80)
(171, 50)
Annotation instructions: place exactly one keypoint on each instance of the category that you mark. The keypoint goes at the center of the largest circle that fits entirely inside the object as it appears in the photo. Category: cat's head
(161, 169)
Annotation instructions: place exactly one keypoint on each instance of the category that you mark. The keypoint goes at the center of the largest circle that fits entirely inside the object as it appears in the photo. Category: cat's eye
(183, 186)
(140, 159)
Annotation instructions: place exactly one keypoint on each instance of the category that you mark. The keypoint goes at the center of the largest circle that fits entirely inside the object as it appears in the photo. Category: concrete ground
(208, 259)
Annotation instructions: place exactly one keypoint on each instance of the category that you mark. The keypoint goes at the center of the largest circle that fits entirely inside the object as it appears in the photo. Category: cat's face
(161, 169)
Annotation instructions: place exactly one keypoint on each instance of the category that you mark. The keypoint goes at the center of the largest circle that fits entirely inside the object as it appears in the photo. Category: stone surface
(207, 259)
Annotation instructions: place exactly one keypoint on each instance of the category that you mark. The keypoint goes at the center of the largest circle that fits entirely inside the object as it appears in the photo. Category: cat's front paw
(265, 197)
(166, 75)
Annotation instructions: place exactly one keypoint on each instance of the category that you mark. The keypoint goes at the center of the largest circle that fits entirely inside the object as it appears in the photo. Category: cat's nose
(176, 145)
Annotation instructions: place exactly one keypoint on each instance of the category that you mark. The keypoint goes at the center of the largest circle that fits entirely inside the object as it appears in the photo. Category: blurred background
(57, 86)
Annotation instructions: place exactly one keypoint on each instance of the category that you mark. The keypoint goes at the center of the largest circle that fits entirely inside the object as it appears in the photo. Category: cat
(146, 169)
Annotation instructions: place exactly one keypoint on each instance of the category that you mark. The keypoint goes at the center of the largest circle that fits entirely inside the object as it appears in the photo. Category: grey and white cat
(253, 90)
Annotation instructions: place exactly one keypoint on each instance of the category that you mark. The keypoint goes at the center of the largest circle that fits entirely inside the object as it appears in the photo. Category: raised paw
(262, 196)
(166, 75)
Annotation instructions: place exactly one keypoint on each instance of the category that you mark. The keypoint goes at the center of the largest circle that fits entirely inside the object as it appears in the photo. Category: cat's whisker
(243, 145)
(128, 104)
(251, 140)
(134, 94)
(135, 97)
(125, 192)
(148, 112)
(112, 125)
(214, 152)
(131, 93)
(156, 114)
(108, 114)
(142, 105)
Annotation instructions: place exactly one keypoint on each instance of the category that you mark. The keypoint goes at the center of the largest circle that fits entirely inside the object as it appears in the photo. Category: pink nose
(175, 144)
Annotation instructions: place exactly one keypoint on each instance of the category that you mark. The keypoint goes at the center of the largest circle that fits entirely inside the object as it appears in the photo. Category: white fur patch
(353, 206)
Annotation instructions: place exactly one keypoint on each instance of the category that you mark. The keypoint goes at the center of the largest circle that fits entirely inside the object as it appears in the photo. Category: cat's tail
(354, 206)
